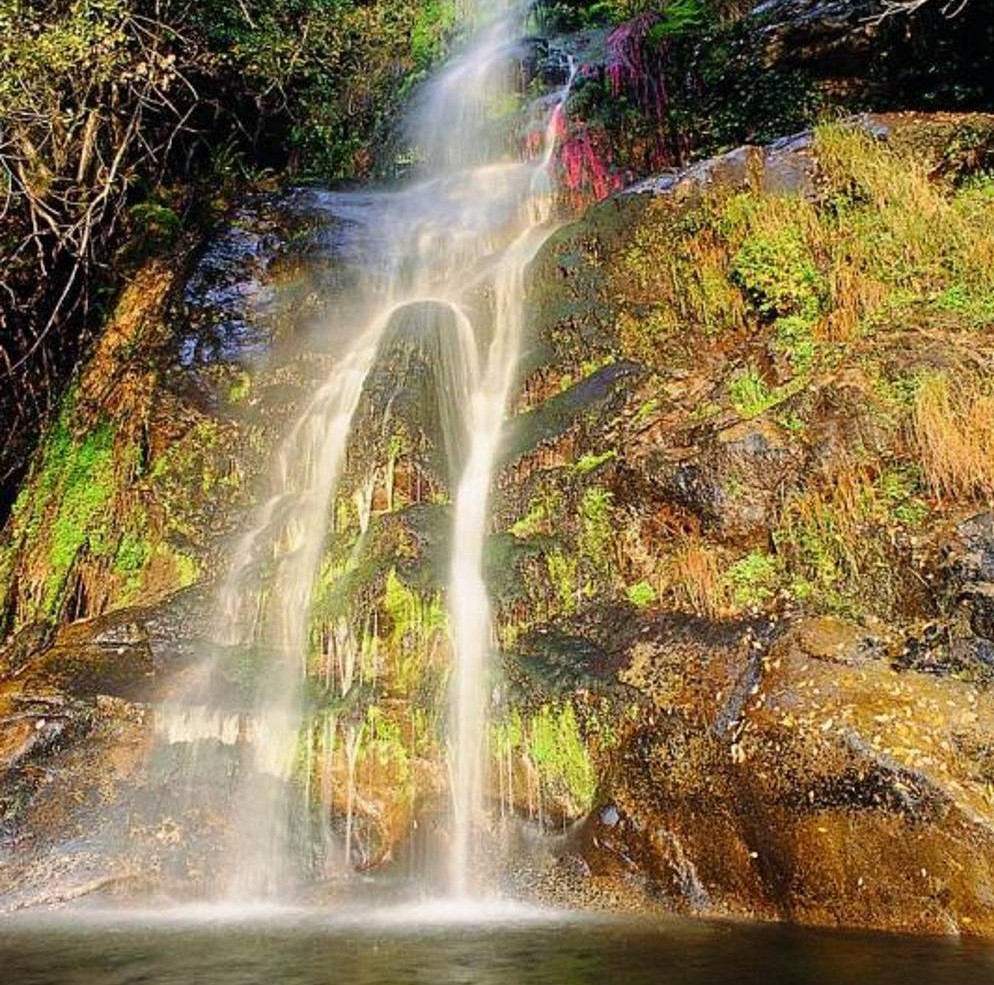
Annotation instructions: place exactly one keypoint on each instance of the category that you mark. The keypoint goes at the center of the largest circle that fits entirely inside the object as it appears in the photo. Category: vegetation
(118, 114)
(551, 741)
(860, 303)
(953, 427)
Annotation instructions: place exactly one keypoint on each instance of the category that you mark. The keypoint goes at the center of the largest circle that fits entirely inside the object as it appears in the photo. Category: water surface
(451, 945)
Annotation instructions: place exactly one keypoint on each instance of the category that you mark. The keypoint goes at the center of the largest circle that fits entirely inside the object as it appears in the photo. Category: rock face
(742, 559)
(799, 702)
(891, 56)
(802, 778)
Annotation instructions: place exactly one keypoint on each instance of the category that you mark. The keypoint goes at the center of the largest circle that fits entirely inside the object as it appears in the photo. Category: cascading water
(452, 250)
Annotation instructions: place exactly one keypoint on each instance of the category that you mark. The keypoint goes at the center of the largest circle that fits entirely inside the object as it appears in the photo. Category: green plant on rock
(673, 278)
(564, 578)
(543, 508)
(754, 579)
(596, 529)
(840, 539)
(590, 462)
(646, 410)
(62, 511)
(774, 263)
(900, 242)
(900, 489)
(433, 24)
(507, 736)
(641, 594)
(533, 522)
(558, 751)
(749, 394)
(795, 338)
(130, 562)
(415, 622)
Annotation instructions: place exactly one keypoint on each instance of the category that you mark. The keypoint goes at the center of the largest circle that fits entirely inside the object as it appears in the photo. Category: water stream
(449, 252)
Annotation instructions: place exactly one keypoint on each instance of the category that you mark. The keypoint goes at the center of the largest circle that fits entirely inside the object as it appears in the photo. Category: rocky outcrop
(881, 54)
(801, 778)
(799, 702)
(740, 564)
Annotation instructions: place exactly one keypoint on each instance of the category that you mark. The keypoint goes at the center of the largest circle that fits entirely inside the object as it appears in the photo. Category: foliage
(114, 112)
(641, 594)
(564, 577)
(774, 263)
(596, 532)
(883, 243)
(753, 579)
(837, 538)
(590, 462)
(58, 512)
(749, 393)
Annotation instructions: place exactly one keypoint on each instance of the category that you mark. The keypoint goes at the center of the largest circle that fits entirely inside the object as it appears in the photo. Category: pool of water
(442, 944)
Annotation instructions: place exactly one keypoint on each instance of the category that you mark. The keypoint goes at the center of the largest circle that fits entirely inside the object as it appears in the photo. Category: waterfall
(464, 230)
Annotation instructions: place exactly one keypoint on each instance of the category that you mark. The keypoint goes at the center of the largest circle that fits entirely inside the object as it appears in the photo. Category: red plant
(630, 65)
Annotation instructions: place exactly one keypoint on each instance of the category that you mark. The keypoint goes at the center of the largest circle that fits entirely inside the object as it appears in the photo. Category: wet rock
(105, 656)
(832, 775)
(884, 55)
(837, 640)
(733, 481)
(609, 816)
(967, 581)
(28, 736)
(24, 645)
(835, 34)
(589, 402)
(230, 299)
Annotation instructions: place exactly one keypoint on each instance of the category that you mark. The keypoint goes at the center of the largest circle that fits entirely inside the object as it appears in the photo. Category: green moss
(383, 739)
(130, 562)
(645, 410)
(239, 388)
(187, 569)
(415, 622)
(753, 580)
(531, 523)
(641, 594)
(749, 393)
(560, 755)
(412, 616)
(507, 735)
(587, 463)
(77, 479)
(564, 577)
(596, 529)
(543, 507)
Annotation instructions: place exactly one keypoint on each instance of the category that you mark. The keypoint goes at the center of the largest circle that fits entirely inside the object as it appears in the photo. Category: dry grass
(896, 229)
(836, 539)
(882, 244)
(693, 577)
(711, 301)
(671, 282)
(953, 430)
(855, 294)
